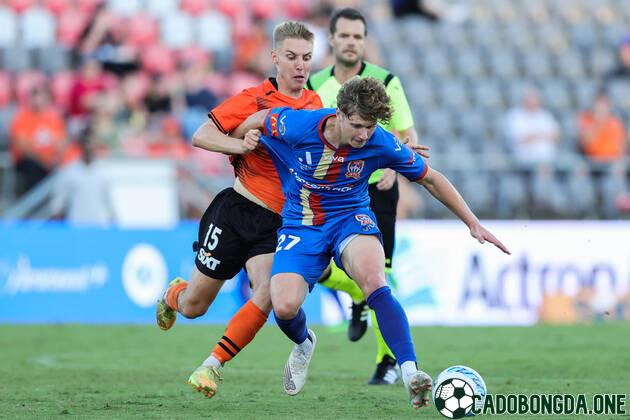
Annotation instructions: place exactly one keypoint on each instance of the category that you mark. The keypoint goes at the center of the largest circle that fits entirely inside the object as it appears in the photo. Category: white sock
(212, 362)
(408, 370)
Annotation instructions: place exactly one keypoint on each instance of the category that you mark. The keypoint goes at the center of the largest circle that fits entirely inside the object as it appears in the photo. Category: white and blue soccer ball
(454, 392)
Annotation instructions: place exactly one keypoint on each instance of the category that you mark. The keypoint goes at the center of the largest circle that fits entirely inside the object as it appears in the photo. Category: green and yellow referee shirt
(327, 87)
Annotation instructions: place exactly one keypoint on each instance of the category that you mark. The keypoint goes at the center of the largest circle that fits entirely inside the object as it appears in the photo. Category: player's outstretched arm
(209, 137)
(441, 188)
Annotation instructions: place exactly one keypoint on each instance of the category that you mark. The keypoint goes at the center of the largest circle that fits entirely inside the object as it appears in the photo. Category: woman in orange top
(601, 134)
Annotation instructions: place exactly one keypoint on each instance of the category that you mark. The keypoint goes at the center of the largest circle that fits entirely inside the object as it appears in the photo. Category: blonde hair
(291, 29)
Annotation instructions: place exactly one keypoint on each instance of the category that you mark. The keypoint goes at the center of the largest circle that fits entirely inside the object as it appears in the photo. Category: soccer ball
(454, 391)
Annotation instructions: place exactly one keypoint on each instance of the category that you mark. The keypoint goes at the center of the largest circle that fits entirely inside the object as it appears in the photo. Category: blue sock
(393, 324)
(294, 328)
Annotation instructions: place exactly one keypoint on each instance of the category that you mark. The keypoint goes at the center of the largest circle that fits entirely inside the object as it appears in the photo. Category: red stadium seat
(231, 8)
(5, 89)
(88, 6)
(57, 6)
(265, 9)
(70, 26)
(25, 82)
(61, 88)
(21, 5)
(142, 30)
(217, 83)
(194, 7)
(240, 81)
(158, 59)
(297, 9)
(194, 55)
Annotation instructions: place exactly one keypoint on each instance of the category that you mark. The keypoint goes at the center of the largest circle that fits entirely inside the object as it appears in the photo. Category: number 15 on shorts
(293, 240)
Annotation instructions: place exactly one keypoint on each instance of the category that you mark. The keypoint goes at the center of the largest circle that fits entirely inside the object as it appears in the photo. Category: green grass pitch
(80, 371)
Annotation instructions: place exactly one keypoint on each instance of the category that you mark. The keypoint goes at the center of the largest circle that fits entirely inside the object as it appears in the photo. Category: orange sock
(240, 331)
(173, 293)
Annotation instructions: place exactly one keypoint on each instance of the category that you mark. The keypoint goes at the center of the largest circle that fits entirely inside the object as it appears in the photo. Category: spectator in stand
(602, 135)
(103, 38)
(84, 94)
(198, 99)
(37, 139)
(81, 195)
(402, 8)
(532, 132)
(622, 71)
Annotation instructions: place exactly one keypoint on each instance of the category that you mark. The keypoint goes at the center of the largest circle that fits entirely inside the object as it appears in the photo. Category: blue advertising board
(51, 273)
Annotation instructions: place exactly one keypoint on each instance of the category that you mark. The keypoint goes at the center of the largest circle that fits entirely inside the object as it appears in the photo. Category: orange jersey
(255, 170)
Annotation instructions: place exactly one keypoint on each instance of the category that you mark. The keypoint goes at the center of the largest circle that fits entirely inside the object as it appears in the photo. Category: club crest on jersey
(366, 221)
(273, 122)
(355, 168)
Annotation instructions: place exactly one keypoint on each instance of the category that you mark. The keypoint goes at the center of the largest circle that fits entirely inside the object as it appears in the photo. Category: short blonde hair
(291, 29)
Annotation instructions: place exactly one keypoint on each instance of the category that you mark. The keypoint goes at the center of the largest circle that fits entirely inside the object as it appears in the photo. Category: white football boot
(419, 386)
(297, 366)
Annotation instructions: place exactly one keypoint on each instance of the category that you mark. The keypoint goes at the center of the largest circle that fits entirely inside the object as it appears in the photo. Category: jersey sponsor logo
(273, 122)
(355, 168)
(320, 187)
(282, 129)
(205, 257)
(366, 221)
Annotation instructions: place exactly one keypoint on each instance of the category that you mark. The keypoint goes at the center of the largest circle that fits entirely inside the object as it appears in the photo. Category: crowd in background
(140, 77)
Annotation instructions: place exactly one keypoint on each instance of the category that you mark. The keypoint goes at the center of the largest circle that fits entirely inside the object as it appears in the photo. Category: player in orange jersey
(239, 227)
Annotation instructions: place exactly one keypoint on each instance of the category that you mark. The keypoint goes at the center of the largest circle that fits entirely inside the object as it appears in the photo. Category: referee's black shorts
(383, 204)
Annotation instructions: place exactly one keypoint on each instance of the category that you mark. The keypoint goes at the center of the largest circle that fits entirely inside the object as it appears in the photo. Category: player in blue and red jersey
(324, 159)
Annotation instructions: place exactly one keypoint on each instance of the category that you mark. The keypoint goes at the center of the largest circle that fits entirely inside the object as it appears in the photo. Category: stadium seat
(143, 30)
(537, 65)
(520, 35)
(241, 80)
(161, 8)
(70, 26)
(477, 189)
(194, 7)
(556, 95)
(473, 126)
(502, 63)
(512, 197)
(619, 91)
(584, 36)
(53, 59)
(580, 190)
(21, 5)
(61, 87)
(434, 62)
(601, 60)
(38, 27)
(613, 183)
(25, 82)
(440, 124)
(7, 112)
(214, 31)
(297, 9)
(230, 8)
(16, 59)
(193, 54)
(136, 86)
(469, 63)
(487, 94)
(217, 83)
(570, 65)
(6, 94)
(420, 94)
(124, 7)
(387, 31)
(57, 7)
(403, 62)
(8, 27)
(177, 30)
(158, 59)
(584, 92)
(453, 94)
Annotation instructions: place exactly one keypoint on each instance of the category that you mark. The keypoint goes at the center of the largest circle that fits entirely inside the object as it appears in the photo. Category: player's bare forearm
(209, 137)
(253, 122)
(441, 188)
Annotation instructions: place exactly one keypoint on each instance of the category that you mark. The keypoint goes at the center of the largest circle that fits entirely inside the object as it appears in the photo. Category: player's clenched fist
(250, 141)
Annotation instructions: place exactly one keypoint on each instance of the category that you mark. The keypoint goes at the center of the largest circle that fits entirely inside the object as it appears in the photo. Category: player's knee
(262, 299)
(286, 310)
(372, 282)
